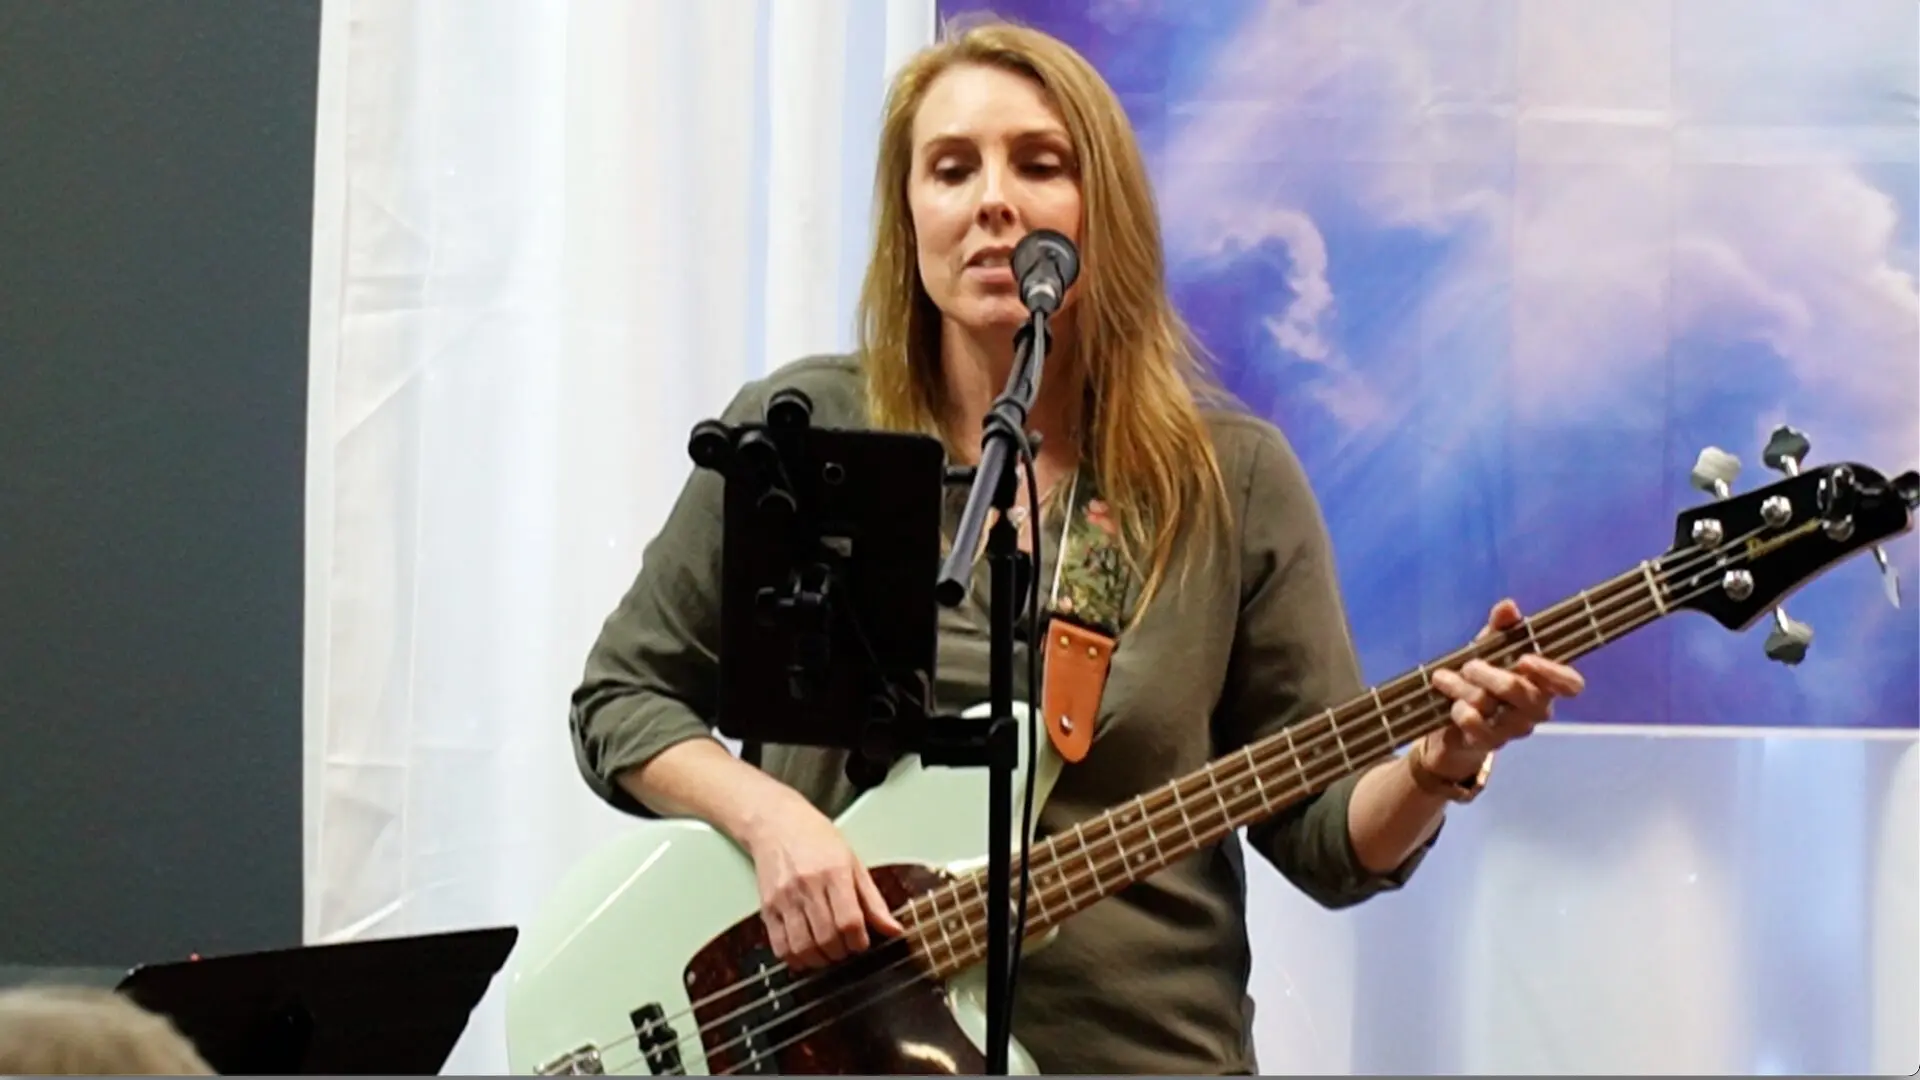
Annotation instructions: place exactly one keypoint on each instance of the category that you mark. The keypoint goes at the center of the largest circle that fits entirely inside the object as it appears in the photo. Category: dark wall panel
(156, 192)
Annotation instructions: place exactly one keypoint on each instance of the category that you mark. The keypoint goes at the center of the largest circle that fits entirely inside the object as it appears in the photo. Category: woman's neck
(976, 369)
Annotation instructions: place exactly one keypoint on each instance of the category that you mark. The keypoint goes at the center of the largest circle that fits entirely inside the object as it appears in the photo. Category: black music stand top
(390, 1006)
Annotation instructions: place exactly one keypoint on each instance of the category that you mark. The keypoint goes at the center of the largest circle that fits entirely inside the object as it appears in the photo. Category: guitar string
(1554, 615)
(1609, 600)
(1057, 884)
(1648, 613)
(910, 914)
(915, 935)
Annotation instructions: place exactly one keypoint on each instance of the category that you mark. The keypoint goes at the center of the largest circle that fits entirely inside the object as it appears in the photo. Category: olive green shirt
(1154, 978)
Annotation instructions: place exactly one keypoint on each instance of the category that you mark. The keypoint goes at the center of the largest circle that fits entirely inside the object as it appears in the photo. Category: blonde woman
(1233, 626)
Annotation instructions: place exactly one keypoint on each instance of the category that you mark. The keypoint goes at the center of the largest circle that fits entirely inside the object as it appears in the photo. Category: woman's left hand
(1493, 705)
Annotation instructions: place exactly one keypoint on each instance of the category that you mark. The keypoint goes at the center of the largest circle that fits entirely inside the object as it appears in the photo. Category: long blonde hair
(1136, 364)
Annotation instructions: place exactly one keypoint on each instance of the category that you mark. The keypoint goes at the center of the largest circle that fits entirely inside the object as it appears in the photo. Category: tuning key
(1785, 450)
(1789, 639)
(1714, 472)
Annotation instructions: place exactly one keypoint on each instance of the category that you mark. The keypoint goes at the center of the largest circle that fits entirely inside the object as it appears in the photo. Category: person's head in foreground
(81, 1031)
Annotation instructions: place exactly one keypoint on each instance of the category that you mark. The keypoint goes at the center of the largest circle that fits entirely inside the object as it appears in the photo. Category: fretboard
(1098, 857)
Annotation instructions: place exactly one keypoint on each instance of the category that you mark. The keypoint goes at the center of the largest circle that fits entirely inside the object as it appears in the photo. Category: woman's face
(991, 163)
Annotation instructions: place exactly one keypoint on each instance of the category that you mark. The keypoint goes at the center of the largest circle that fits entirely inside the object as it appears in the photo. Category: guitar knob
(1788, 641)
(1786, 450)
(1714, 472)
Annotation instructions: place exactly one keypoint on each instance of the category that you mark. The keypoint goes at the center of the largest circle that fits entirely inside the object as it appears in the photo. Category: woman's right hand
(816, 898)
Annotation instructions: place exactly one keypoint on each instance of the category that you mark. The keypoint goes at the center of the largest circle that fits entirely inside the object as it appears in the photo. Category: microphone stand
(996, 485)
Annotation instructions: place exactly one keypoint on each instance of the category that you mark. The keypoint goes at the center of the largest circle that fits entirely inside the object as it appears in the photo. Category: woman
(1230, 624)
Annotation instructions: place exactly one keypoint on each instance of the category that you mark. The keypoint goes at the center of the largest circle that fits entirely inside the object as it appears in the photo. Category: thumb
(876, 905)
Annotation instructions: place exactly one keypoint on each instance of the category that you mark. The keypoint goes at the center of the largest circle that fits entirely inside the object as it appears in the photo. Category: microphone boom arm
(994, 484)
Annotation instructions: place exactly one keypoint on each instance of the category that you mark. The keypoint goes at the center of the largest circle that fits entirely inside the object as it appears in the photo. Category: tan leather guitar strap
(1088, 607)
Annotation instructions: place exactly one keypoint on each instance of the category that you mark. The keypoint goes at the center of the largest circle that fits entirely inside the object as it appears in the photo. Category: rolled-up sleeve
(1293, 658)
(652, 676)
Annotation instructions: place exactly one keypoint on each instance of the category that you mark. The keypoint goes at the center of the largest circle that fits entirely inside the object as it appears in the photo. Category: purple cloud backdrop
(1500, 271)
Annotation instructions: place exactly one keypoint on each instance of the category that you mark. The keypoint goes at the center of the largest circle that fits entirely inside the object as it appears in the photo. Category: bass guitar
(649, 957)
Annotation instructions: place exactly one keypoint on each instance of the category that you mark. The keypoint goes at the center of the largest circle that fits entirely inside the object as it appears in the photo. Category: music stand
(386, 1007)
(829, 625)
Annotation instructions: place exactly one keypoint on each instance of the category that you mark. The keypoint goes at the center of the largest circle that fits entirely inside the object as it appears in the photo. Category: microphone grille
(1050, 246)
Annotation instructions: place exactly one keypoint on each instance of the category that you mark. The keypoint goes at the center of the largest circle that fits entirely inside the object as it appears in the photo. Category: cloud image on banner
(1501, 270)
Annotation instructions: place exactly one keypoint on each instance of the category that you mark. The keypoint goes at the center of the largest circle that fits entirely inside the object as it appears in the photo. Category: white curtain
(549, 237)
(1625, 904)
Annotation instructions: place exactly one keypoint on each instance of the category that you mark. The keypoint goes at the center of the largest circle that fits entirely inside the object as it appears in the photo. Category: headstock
(1737, 558)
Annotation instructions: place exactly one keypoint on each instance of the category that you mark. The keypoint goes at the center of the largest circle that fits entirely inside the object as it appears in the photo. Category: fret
(1599, 636)
(1180, 805)
(1220, 799)
(940, 920)
(1653, 588)
(1528, 623)
(1064, 879)
(1253, 767)
(964, 906)
(1152, 837)
(1038, 894)
(1333, 725)
(1426, 683)
(1127, 858)
(966, 925)
(1298, 765)
(1392, 737)
(1093, 868)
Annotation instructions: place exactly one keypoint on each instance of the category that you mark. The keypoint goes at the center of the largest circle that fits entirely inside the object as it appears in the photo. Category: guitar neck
(1096, 858)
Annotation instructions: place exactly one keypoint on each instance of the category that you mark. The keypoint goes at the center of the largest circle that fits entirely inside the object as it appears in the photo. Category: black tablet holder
(832, 574)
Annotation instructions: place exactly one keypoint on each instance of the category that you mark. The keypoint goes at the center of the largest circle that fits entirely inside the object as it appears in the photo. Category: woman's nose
(995, 206)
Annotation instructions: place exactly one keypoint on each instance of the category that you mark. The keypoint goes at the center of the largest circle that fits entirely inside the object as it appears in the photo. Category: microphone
(1045, 264)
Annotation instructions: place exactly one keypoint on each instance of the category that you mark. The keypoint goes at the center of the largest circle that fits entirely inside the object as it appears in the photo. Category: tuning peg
(1714, 472)
(1785, 450)
(1789, 639)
